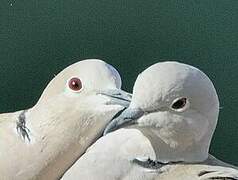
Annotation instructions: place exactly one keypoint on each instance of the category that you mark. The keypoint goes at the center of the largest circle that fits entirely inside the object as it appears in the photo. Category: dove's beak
(126, 118)
(117, 97)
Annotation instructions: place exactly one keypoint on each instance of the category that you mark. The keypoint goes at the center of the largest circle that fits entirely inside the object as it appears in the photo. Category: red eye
(75, 84)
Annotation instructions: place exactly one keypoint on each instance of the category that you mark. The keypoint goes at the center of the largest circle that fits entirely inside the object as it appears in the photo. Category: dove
(164, 134)
(43, 142)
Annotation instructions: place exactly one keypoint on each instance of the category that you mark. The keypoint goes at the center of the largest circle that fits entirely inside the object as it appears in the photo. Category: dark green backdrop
(38, 38)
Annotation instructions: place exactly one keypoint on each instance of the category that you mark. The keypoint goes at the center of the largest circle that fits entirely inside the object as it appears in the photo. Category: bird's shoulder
(124, 143)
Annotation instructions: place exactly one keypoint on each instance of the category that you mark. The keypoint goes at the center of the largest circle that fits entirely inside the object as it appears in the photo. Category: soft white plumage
(42, 142)
(170, 123)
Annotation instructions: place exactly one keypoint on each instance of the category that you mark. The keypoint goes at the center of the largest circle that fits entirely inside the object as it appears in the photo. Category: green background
(38, 38)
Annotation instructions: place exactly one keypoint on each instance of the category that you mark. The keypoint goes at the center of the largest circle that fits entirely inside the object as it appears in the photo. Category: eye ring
(180, 104)
(75, 84)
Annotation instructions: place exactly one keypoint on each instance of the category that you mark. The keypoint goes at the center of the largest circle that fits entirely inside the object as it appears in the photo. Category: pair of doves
(163, 131)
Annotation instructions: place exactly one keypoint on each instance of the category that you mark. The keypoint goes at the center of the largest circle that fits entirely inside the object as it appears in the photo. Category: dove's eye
(180, 104)
(75, 84)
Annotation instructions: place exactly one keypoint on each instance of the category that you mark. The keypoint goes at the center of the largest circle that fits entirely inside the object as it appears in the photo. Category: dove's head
(84, 77)
(179, 104)
(84, 95)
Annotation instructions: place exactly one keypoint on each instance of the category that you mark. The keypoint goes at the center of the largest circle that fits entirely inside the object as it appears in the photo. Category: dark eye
(179, 104)
(75, 84)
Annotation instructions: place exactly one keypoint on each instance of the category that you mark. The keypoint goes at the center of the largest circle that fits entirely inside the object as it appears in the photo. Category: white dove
(167, 132)
(43, 141)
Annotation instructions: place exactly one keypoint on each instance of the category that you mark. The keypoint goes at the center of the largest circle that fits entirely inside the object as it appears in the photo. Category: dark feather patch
(21, 126)
(223, 178)
(204, 172)
(215, 177)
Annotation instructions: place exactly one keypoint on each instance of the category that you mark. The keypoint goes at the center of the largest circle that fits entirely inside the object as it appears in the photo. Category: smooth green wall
(38, 38)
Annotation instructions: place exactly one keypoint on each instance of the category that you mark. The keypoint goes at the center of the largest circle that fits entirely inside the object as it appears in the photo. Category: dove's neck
(49, 123)
(39, 148)
(47, 138)
(60, 134)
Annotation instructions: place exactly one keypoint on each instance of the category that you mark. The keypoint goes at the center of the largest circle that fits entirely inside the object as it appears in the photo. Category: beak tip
(104, 133)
